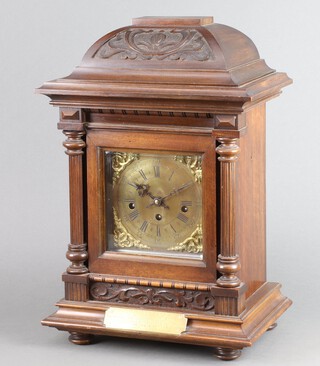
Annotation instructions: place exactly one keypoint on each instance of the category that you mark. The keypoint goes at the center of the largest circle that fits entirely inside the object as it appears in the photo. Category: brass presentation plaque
(145, 321)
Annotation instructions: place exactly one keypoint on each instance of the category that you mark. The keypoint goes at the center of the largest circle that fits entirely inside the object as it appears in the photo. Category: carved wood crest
(156, 44)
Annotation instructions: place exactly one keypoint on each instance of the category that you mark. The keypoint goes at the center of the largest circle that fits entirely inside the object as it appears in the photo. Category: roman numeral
(142, 174)
(144, 226)
(171, 176)
(133, 215)
(156, 169)
(129, 200)
(182, 217)
(173, 228)
(158, 231)
(186, 203)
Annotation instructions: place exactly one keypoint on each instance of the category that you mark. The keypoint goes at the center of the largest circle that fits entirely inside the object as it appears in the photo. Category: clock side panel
(252, 201)
(114, 263)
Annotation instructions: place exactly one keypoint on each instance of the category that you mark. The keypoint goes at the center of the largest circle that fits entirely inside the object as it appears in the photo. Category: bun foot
(80, 338)
(272, 326)
(227, 354)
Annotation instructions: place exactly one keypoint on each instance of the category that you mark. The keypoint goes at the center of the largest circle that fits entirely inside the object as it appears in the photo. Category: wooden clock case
(171, 85)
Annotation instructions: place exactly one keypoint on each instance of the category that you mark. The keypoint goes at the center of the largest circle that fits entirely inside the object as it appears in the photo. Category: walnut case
(171, 85)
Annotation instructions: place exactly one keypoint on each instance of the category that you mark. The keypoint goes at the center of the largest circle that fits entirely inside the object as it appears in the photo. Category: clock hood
(174, 59)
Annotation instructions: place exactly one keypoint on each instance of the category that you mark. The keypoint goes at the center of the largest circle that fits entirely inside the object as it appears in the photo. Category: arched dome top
(169, 56)
(157, 46)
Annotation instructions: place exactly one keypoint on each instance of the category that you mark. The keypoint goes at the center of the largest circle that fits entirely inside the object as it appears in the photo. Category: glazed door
(151, 205)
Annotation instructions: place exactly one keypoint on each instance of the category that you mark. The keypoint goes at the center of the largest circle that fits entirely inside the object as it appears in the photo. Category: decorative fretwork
(192, 244)
(123, 239)
(152, 297)
(120, 160)
(156, 44)
(193, 162)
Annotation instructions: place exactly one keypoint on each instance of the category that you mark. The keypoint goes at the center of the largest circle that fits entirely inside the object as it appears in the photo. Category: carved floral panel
(157, 44)
(152, 297)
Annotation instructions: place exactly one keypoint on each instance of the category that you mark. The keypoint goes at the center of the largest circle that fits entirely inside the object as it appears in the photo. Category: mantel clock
(165, 132)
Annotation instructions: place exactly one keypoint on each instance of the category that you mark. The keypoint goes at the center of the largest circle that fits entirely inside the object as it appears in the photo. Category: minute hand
(178, 190)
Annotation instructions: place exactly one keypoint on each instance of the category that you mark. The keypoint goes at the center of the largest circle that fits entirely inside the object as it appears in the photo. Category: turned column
(76, 286)
(77, 249)
(228, 260)
(229, 291)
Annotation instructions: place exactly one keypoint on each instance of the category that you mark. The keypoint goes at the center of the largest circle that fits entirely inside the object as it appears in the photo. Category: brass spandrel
(193, 162)
(122, 238)
(119, 162)
(192, 244)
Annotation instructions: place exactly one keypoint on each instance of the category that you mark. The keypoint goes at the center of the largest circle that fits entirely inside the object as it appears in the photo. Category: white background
(42, 40)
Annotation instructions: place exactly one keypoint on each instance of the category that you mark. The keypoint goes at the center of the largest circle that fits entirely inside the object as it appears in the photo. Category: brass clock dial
(157, 203)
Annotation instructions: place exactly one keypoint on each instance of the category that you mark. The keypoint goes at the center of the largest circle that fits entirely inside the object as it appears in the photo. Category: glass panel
(154, 203)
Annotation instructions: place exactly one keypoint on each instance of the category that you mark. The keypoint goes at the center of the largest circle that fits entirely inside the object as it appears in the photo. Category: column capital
(74, 143)
(228, 149)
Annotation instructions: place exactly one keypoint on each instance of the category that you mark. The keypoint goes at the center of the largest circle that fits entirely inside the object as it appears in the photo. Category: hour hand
(143, 189)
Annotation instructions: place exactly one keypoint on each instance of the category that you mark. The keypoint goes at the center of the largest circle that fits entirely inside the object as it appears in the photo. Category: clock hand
(178, 190)
(143, 190)
(156, 201)
(150, 195)
(159, 201)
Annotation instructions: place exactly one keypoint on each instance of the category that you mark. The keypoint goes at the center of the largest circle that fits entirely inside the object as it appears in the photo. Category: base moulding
(263, 308)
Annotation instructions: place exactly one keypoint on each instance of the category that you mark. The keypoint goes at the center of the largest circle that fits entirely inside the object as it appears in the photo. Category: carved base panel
(263, 308)
(152, 297)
